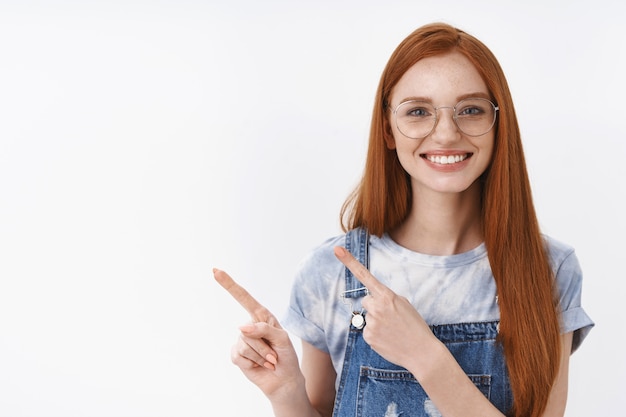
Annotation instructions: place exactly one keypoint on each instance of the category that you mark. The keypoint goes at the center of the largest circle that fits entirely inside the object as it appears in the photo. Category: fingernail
(247, 328)
(269, 366)
(340, 250)
(271, 358)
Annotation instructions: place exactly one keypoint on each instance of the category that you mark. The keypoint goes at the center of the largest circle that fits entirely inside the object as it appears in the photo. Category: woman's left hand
(394, 328)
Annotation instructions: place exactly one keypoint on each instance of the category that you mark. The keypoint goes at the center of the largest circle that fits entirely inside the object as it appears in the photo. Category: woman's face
(446, 160)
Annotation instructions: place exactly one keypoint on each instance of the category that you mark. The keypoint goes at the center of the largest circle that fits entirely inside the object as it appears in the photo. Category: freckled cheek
(489, 151)
(408, 151)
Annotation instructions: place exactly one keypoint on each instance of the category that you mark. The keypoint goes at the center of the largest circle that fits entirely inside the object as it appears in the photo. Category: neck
(442, 223)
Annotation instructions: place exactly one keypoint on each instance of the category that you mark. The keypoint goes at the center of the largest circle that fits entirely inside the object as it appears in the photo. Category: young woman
(454, 303)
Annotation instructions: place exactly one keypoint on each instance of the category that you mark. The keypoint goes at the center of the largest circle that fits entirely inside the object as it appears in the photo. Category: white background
(144, 142)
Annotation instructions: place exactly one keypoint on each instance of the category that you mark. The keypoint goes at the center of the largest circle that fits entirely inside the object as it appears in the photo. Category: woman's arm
(454, 394)
(320, 376)
(558, 396)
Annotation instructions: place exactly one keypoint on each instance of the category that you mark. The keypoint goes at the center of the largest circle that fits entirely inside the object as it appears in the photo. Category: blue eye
(418, 112)
(471, 111)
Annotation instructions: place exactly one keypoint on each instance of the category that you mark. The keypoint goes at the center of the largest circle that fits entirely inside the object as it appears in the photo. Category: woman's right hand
(263, 352)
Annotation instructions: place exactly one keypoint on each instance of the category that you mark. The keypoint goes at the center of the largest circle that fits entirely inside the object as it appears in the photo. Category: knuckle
(262, 313)
(261, 327)
(388, 296)
(235, 355)
(273, 322)
(259, 347)
(241, 350)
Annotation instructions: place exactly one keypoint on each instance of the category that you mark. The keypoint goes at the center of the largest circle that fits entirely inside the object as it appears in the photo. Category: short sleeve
(300, 318)
(569, 280)
(313, 300)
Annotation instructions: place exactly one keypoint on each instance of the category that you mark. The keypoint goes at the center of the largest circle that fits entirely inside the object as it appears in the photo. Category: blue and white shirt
(444, 289)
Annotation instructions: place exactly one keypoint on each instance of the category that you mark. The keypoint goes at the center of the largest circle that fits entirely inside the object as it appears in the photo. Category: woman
(465, 308)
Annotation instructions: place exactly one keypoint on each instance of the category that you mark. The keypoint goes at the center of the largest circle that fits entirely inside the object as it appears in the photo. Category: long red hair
(529, 318)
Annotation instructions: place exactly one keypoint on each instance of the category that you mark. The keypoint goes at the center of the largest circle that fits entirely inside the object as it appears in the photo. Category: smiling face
(446, 160)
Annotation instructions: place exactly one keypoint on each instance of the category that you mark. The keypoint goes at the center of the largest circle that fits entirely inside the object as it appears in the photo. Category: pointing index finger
(372, 284)
(256, 310)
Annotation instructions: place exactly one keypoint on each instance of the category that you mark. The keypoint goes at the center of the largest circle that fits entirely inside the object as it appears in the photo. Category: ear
(390, 141)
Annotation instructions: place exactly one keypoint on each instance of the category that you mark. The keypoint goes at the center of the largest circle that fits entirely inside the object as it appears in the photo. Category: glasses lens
(415, 119)
(475, 116)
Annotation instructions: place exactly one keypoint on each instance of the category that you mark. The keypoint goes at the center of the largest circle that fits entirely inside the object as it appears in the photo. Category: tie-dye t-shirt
(444, 289)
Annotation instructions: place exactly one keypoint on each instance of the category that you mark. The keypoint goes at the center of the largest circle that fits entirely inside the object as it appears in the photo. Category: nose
(445, 129)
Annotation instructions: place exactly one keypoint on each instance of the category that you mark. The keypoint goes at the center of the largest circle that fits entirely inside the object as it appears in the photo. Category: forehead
(440, 79)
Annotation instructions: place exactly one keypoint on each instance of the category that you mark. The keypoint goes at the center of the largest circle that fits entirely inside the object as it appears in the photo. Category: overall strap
(357, 243)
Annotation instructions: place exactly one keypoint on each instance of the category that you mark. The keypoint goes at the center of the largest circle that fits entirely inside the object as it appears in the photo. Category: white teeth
(444, 160)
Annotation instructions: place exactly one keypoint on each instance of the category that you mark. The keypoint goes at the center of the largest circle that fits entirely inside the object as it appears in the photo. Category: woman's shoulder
(557, 246)
(565, 265)
(558, 251)
(321, 260)
(325, 251)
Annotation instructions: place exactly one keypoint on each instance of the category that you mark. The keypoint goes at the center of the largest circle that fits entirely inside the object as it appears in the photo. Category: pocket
(483, 383)
(391, 393)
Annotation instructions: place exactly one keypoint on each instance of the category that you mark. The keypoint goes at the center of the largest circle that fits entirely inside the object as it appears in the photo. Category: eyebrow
(459, 98)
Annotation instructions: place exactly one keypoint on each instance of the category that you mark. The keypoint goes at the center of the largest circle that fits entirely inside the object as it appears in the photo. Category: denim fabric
(372, 386)
(445, 290)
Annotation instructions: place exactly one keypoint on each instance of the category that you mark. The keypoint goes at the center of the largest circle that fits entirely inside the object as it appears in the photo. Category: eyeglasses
(473, 116)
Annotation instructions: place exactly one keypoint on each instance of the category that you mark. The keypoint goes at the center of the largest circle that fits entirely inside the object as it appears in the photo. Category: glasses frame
(454, 116)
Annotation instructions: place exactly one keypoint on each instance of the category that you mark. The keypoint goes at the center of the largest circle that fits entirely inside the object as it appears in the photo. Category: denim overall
(370, 386)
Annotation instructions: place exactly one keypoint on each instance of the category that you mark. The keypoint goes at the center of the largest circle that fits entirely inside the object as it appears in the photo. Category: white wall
(143, 143)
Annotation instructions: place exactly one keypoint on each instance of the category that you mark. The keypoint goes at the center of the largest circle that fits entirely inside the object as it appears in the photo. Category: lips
(446, 159)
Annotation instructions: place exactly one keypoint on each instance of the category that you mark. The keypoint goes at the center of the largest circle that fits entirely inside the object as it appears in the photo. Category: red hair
(529, 318)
